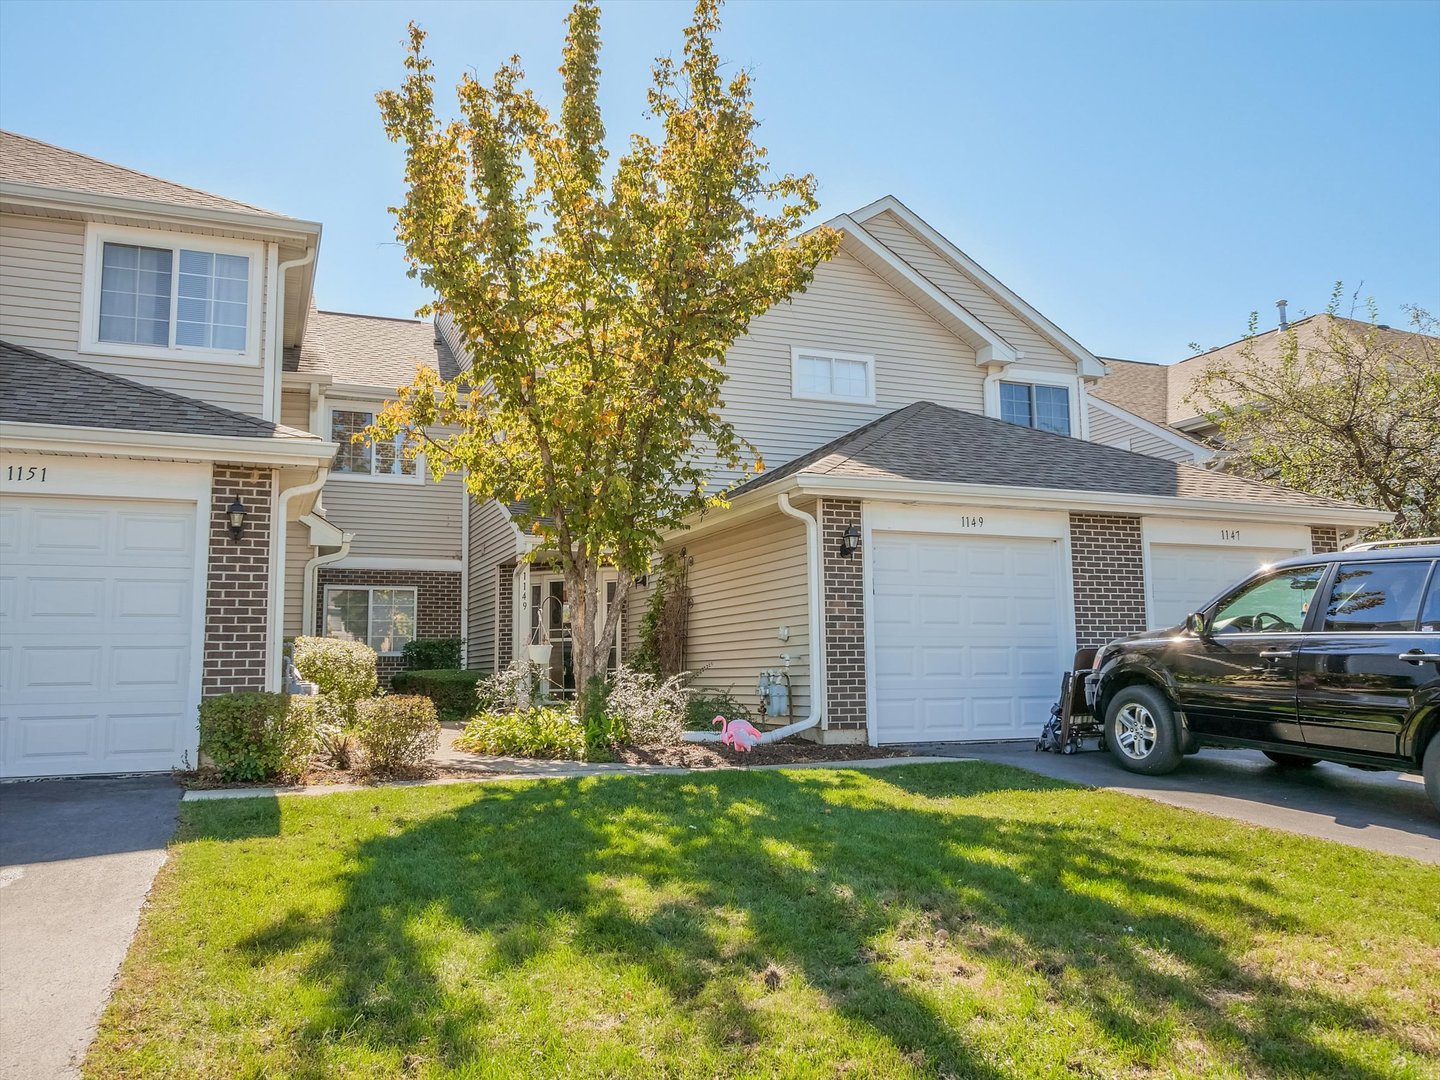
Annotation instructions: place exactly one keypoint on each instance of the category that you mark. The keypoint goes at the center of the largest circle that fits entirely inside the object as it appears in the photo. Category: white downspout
(312, 570)
(274, 362)
(464, 634)
(813, 556)
(275, 680)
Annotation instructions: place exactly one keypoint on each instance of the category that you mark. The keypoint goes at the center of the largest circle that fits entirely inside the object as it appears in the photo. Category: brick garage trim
(237, 589)
(437, 602)
(1324, 538)
(1107, 565)
(504, 617)
(843, 586)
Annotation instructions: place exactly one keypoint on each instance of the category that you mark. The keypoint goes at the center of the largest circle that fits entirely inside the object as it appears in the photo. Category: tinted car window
(1274, 604)
(1376, 596)
(1430, 613)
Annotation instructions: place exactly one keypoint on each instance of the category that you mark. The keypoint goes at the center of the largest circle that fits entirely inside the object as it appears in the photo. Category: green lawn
(957, 920)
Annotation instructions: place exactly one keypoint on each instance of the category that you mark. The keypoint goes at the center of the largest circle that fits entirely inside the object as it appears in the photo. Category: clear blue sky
(1145, 174)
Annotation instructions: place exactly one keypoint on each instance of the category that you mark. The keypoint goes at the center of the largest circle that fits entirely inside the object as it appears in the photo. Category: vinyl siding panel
(849, 309)
(1113, 430)
(42, 263)
(745, 583)
(492, 545)
(298, 551)
(390, 518)
(1040, 351)
(295, 408)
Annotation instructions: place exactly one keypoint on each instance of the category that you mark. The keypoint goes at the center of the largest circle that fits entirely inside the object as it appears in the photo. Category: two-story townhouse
(941, 526)
(148, 480)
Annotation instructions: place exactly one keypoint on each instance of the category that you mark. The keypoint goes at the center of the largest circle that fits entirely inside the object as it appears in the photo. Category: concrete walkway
(77, 858)
(1383, 811)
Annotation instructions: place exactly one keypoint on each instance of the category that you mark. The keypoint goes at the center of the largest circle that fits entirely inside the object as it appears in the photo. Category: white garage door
(1183, 577)
(967, 636)
(96, 613)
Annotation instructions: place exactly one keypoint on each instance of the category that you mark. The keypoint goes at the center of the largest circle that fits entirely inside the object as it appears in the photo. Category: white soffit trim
(1198, 450)
(990, 347)
(1089, 364)
(52, 439)
(1051, 498)
(395, 562)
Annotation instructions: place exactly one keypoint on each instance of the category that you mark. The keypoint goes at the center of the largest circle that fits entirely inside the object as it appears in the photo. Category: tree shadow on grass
(887, 903)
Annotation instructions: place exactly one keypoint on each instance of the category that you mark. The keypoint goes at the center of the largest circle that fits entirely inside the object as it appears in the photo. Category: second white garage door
(97, 644)
(967, 636)
(1183, 577)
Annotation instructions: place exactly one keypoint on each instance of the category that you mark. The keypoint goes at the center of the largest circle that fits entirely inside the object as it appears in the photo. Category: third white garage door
(1184, 576)
(967, 636)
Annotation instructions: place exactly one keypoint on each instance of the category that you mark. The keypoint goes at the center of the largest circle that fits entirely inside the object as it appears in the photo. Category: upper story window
(362, 458)
(1036, 405)
(148, 293)
(826, 375)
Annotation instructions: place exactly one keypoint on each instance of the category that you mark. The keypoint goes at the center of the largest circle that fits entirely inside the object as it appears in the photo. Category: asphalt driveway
(76, 861)
(1383, 811)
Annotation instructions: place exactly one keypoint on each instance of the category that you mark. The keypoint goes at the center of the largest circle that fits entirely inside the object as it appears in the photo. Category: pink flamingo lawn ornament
(738, 734)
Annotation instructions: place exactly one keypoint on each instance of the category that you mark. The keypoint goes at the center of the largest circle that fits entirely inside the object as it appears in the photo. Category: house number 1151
(25, 472)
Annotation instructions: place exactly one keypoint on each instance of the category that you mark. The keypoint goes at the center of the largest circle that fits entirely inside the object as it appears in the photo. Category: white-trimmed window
(151, 293)
(827, 375)
(381, 617)
(1036, 405)
(382, 459)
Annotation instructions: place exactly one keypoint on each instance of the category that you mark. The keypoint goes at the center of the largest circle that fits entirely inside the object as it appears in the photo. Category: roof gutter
(173, 446)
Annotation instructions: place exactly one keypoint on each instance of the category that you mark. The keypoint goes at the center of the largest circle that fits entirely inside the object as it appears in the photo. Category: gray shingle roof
(24, 160)
(929, 442)
(36, 388)
(369, 350)
(1135, 386)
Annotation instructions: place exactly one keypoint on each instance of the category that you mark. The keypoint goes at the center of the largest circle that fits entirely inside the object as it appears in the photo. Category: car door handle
(1276, 654)
(1415, 656)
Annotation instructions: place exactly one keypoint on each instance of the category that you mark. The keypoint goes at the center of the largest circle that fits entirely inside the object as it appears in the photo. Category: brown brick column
(1324, 538)
(437, 602)
(504, 617)
(843, 587)
(1108, 565)
(238, 588)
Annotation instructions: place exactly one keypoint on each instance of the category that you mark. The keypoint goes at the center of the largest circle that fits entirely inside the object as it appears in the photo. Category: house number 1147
(1229, 534)
(25, 472)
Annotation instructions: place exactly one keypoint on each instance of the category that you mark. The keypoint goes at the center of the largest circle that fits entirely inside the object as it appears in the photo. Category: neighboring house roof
(934, 443)
(1135, 386)
(24, 160)
(369, 350)
(36, 388)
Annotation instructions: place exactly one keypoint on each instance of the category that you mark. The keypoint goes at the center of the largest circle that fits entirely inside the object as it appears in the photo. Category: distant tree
(597, 302)
(1349, 410)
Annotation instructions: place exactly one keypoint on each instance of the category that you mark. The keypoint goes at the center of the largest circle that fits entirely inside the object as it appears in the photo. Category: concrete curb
(567, 773)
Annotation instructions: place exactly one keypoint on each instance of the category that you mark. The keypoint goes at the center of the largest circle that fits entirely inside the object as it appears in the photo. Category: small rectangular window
(360, 458)
(1376, 597)
(382, 618)
(832, 376)
(1036, 405)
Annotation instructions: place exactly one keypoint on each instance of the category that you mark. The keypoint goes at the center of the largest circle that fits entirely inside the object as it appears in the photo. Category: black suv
(1330, 657)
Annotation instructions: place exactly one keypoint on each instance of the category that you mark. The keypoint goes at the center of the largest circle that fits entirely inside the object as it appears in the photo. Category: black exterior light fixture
(850, 542)
(235, 515)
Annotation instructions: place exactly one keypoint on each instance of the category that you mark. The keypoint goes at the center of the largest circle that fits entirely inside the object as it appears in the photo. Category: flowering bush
(397, 732)
(644, 710)
(509, 689)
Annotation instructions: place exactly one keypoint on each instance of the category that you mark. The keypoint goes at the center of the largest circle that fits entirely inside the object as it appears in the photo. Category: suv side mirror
(1195, 623)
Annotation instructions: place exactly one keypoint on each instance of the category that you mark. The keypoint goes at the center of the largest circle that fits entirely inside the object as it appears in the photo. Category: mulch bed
(713, 755)
(207, 779)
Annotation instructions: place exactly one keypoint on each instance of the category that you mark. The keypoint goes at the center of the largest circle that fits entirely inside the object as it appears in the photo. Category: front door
(1357, 689)
(550, 625)
(1239, 680)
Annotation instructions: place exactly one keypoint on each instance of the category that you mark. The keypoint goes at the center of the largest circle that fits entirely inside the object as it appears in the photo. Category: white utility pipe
(273, 651)
(813, 556)
(274, 347)
(312, 569)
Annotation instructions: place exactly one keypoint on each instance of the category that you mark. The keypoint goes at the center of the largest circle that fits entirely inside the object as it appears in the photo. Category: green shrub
(706, 704)
(646, 710)
(451, 689)
(333, 739)
(602, 731)
(344, 671)
(432, 653)
(510, 688)
(396, 732)
(252, 737)
(549, 732)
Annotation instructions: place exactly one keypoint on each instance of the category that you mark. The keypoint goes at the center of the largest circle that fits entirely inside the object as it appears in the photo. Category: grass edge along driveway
(964, 920)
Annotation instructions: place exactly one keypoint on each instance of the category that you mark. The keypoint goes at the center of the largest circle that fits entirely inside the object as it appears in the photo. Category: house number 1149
(25, 472)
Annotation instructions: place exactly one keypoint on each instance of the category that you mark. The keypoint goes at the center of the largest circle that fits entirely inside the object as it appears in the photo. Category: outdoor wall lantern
(850, 542)
(236, 516)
